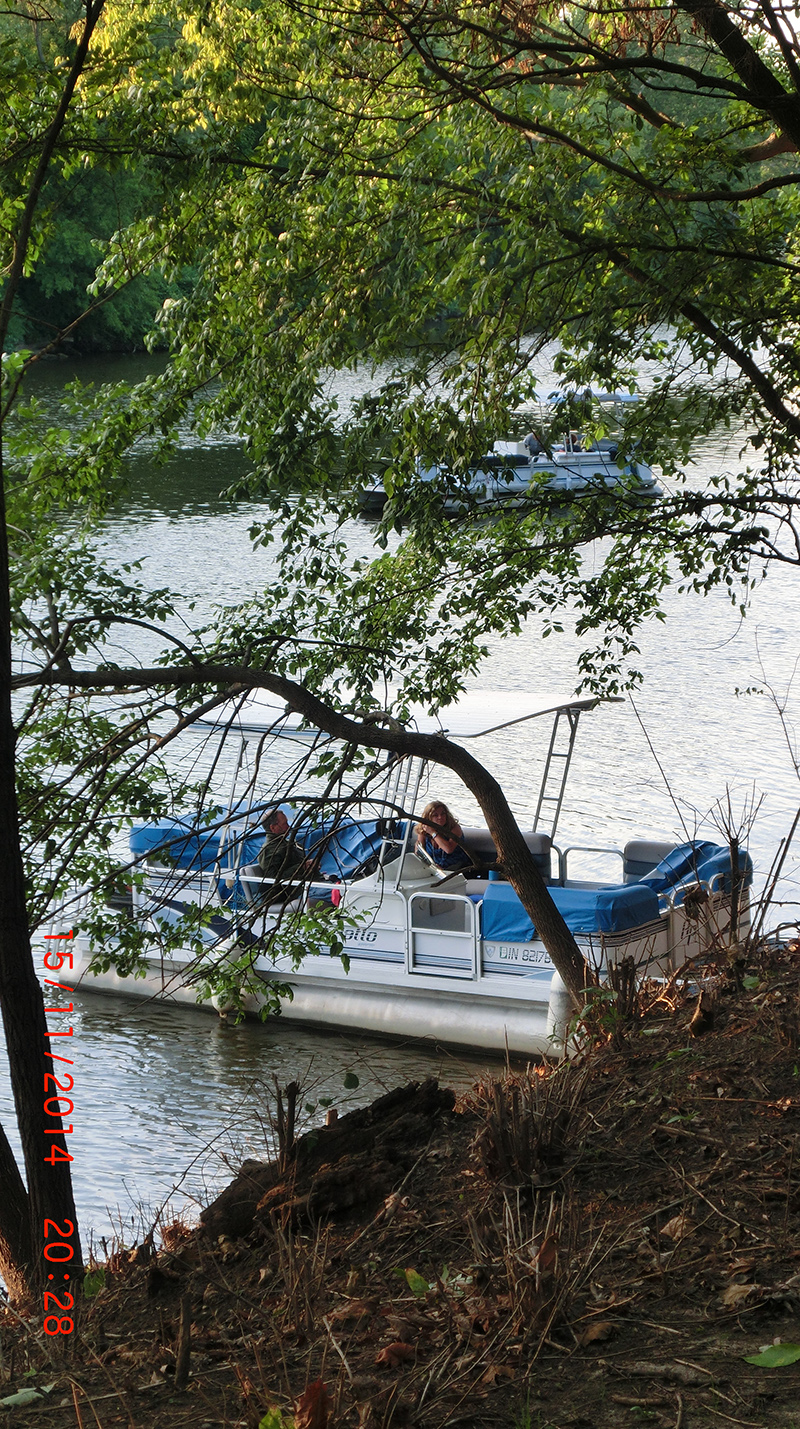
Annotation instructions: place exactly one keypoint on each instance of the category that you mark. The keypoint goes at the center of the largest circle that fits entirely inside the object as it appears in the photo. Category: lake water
(163, 1092)
(169, 1102)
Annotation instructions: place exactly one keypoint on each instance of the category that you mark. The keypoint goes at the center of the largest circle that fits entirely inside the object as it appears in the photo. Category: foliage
(227, 972)
(273, 1419)
(85, 199)
(446, 200)
(361, 183)
(775, 1356)
(93, 1282)
(83, 211)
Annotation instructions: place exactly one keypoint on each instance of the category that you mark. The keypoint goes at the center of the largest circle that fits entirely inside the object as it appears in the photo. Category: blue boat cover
(716, 870)
(345, 850)
(584, 910)
(180, 843)
(683, 862)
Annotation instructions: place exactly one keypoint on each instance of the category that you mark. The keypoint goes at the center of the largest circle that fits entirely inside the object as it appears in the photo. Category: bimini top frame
(476, 713)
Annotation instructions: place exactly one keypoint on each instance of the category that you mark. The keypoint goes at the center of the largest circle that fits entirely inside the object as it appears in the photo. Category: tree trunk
(21, 1001)
(521, 871)
(16, 1246)
(49, 1185)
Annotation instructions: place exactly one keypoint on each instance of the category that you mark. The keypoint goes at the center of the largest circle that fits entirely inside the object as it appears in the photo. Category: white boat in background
(453, 958)
(513, 473)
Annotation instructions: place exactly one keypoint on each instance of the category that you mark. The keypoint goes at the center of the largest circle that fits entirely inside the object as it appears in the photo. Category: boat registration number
(518, 953)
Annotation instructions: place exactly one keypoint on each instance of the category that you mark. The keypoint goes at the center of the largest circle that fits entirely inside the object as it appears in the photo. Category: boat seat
(480, 845)
(640, 856)
(258, 892)
(475, 888)
(584, 910)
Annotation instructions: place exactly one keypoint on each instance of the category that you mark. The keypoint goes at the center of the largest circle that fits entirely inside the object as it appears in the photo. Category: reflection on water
(169, 1101)
(162, 1090)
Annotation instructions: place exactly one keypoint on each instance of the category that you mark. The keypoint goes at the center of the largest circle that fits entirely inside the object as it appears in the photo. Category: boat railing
(64, 911)
(164, 883)
(563, 857)
(676, 897)
(255, 887)
(443, 935)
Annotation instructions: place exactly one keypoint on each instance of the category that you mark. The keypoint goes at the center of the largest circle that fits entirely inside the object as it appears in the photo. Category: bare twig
(184, 1343)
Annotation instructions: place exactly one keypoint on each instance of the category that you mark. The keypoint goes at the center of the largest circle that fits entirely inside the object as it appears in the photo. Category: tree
(63, 606)
(391, 179)
(84, 210)
(23, 1225)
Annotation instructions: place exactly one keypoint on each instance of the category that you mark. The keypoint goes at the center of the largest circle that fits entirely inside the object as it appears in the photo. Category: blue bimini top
(584, 910)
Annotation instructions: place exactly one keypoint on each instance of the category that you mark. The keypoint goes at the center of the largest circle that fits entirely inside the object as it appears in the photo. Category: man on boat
(281, 860)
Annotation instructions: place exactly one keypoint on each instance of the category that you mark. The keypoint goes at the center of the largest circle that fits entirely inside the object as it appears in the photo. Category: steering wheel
(367, 866)
(422, 853)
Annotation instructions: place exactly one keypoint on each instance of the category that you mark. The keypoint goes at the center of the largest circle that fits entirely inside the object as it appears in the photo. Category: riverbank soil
(603, 1243)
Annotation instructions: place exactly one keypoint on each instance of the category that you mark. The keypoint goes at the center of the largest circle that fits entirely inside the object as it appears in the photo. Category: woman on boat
(439, 835)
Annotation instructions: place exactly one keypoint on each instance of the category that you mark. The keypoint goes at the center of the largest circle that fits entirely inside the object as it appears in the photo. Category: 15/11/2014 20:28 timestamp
(57, 1104)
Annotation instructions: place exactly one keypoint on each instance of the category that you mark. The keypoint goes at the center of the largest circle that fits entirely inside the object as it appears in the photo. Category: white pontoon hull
(564, 476)
(407, 981)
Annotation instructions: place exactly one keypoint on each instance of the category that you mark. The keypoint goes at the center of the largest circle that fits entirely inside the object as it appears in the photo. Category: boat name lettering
(360, 935)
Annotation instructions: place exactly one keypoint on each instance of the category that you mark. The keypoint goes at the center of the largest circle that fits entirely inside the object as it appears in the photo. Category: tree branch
(764, 89)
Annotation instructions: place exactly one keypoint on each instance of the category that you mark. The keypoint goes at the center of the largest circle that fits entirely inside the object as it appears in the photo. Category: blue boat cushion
(681, 863)
(179, 843)
(346, 849)
(182, 844)
(584, 910)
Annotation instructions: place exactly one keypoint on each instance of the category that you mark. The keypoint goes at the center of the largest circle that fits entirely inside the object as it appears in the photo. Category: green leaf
(774, 1356)
(751, 983)
(351, 1081)
(26, 1396)
(416, 1284)
(93, 1282)
(273, 1419)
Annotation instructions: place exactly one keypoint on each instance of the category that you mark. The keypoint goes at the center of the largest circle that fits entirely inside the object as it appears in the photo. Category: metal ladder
(404, 777)
(556, 769)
